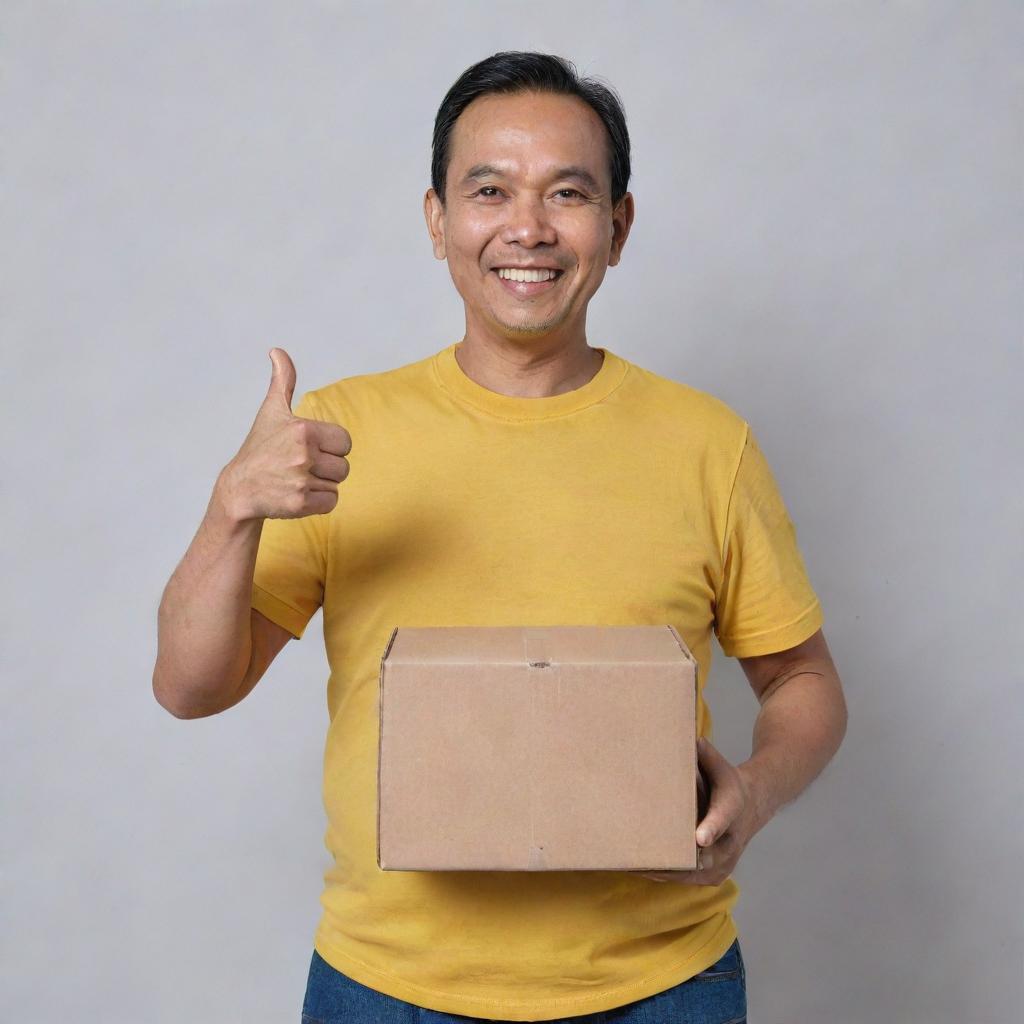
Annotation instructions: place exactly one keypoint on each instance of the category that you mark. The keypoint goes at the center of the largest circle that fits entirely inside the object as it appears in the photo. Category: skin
(535, 346)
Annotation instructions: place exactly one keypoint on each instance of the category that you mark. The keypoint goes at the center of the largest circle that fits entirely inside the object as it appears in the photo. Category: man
(521, 477)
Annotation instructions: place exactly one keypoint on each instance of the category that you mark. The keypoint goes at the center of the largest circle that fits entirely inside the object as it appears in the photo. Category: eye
(572, 190)
(486, 188)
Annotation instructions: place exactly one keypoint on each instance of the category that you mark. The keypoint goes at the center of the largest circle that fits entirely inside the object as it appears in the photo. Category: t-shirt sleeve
(765, 602)
(291, 561)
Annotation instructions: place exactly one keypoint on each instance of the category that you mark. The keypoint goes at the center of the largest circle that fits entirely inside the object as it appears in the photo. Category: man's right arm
(212, 646)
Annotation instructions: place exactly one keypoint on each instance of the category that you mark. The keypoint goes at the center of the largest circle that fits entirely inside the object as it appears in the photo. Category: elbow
(165, 701)
(841, 716)
(164, 696)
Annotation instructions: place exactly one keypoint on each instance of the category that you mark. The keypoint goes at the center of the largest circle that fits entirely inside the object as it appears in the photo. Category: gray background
(828, 237)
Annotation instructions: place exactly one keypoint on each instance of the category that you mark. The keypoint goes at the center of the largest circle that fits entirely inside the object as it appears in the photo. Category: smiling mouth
(527, 288)
(527, 274)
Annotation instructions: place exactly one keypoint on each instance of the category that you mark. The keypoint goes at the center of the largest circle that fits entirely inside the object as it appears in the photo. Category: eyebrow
(580, 174)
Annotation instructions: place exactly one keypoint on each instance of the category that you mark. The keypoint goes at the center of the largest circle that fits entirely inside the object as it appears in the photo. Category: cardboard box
(558, 748)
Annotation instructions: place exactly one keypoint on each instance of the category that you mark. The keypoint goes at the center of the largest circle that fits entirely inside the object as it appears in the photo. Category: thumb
(282, 379)
(718, 769)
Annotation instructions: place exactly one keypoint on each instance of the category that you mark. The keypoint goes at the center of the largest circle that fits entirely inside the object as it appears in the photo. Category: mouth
(527, 288)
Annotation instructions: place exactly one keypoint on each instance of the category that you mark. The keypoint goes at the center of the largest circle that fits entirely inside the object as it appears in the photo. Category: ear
(433, 212)
(622, 221)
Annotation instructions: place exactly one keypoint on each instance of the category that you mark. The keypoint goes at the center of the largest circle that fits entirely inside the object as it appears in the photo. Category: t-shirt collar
(464, 389)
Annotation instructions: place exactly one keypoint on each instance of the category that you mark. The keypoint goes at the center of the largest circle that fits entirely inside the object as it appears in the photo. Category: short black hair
(513, 71)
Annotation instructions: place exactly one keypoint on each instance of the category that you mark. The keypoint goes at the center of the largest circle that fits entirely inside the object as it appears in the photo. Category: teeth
(526, 275)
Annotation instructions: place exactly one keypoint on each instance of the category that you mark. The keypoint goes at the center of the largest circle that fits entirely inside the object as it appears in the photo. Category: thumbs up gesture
(288, 467)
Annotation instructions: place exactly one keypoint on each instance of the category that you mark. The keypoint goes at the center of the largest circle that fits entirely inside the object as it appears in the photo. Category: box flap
(505, 645)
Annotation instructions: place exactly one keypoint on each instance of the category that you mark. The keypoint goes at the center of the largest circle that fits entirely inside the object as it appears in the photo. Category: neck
(531, 370)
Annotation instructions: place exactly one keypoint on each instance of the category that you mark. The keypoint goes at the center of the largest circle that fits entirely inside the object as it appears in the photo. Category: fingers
(697, 877)
(726, 793)
(329, 467)
(714, 866)
(331, 443)
(319, 502)
(333, 438)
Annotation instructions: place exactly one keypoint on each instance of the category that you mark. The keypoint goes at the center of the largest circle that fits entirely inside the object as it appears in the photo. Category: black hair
(513, 71)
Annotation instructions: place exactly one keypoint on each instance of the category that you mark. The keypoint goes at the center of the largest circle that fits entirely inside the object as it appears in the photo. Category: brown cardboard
(556, 748)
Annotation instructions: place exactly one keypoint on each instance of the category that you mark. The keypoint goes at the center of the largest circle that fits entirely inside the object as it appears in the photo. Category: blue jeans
(715, 996)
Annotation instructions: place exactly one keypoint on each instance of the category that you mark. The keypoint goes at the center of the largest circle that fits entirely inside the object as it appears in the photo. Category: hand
(288, 467)
(730, 823)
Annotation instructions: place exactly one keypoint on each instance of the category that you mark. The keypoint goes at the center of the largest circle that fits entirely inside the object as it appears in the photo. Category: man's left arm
(799, 728)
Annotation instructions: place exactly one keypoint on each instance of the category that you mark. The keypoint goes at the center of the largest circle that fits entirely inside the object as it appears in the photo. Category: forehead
(529, 132)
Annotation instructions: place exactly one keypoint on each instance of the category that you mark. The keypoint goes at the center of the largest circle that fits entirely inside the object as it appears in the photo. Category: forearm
(798, 730)
(204, 621)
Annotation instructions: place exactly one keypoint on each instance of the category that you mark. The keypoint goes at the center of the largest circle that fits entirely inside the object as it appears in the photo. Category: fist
(288, 467)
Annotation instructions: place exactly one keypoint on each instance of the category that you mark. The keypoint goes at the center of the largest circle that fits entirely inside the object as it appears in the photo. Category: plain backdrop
(828, 237)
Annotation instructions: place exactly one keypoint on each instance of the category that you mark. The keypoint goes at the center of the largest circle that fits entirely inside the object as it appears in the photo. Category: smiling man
(516, 476)
(529, 224)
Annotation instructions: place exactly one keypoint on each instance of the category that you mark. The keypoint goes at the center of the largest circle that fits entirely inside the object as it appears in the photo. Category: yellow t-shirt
(633, 499)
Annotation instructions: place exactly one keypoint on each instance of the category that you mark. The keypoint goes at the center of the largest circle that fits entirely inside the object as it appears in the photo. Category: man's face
(528, 186)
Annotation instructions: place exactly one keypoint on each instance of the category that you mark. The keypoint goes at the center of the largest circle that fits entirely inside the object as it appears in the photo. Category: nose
(528, 222)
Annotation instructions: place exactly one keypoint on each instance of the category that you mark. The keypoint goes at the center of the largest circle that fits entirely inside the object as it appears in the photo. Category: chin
(531, 328)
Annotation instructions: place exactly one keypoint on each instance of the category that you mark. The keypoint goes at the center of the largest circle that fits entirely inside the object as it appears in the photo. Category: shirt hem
(517, 1009)
(277, 611)
(773, 640)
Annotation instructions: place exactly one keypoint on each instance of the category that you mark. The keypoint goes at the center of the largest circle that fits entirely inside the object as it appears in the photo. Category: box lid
(552, 645)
